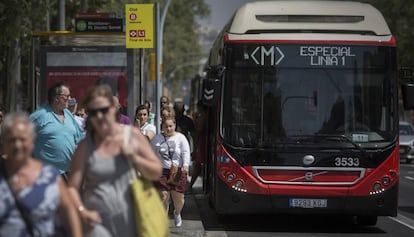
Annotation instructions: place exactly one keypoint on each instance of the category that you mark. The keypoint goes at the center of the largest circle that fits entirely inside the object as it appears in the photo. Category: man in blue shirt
(57, 132)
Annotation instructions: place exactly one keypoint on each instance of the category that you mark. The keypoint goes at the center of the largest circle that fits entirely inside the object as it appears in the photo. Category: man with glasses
(57, 132)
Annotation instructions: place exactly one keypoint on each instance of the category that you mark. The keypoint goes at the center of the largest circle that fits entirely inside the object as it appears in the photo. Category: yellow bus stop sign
(139, 25)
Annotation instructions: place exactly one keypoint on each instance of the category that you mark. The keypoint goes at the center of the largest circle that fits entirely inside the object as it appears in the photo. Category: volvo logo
(308, 159)
(308, 176)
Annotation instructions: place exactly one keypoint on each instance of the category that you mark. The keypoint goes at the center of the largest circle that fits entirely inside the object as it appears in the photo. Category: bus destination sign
(343, 56)
(326, 55)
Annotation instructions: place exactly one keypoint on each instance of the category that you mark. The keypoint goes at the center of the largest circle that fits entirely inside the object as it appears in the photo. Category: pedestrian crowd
(65, 168)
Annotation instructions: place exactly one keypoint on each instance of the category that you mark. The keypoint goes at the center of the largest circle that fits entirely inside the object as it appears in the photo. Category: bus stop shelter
(82, 60)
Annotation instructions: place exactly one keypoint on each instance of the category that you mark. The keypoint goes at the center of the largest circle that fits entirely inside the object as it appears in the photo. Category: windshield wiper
(331, 137)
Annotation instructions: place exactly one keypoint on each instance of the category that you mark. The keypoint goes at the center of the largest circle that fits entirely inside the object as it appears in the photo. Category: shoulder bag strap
(91, 146)
(127, 138)
(23, 214)
(169, 152)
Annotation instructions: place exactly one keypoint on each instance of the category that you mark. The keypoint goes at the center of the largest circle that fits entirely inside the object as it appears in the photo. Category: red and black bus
(303, 112)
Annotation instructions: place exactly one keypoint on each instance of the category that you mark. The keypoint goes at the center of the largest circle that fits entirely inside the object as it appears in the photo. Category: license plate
(308, 203)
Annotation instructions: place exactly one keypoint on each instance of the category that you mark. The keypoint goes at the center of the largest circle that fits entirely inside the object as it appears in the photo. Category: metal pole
(143, 84)
(158, 83)
(163, 16)
(62, 16)
(47, 17)
(157, 69)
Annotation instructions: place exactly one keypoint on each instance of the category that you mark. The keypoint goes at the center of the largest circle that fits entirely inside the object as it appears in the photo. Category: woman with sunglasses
(100, 168)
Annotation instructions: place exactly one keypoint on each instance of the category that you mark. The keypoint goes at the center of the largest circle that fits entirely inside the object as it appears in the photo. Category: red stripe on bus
(391, 42)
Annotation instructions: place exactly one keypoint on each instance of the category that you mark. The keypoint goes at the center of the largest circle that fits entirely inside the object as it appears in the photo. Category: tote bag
(151, 217)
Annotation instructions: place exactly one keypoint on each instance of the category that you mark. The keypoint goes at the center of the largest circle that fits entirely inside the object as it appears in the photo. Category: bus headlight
(238, 186)
(386, 180)
(377, 187)
(230, 177)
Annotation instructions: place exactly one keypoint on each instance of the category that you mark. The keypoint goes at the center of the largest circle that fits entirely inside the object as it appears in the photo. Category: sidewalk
(192, 224)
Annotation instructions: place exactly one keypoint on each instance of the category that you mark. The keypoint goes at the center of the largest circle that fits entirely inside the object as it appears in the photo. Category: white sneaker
(178, 220)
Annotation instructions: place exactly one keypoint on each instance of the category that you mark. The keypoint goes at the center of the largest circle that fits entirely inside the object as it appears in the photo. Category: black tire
(367, 220)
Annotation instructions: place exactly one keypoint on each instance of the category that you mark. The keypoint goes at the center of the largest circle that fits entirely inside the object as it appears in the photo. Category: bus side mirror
(407, 91)
(210, 91)
(407, 87)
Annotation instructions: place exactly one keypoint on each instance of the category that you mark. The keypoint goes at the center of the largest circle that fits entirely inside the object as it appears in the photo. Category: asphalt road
(199, 219)
(406, 195)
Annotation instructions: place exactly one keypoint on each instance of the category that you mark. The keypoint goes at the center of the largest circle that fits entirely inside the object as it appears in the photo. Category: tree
(20, 17)
(17, 18)
(181, 42)
(182, 50)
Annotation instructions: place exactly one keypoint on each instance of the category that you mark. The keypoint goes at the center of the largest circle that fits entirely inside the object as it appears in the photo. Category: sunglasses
(94, 112)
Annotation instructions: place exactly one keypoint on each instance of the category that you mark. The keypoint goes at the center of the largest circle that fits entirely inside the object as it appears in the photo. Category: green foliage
(181, 43)
(181, 40)
(19, 18)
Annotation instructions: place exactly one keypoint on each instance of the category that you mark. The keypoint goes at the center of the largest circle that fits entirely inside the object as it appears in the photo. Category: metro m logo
(262, 56)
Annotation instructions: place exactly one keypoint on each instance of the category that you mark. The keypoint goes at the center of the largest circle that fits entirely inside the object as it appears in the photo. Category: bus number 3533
(347, 162)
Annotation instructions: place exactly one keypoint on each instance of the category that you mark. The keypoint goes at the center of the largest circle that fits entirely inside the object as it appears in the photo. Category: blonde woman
(172, 149)
(33, 194)
(100, 168)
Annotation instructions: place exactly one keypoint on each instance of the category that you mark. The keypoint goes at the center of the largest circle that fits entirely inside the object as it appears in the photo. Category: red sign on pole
(133, 16)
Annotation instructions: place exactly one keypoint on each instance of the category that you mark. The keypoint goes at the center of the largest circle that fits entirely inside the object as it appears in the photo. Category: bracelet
(81, 208)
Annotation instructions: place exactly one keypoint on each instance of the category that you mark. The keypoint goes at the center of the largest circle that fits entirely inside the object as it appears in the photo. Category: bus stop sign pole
(159, 29)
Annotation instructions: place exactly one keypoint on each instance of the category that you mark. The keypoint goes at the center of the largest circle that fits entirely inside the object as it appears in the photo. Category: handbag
(174, 177)
(151, 218)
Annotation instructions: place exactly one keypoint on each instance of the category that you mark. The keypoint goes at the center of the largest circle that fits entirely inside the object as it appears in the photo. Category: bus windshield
(298, 94)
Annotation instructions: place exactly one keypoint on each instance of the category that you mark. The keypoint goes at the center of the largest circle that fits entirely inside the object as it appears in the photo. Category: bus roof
(308, 17)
